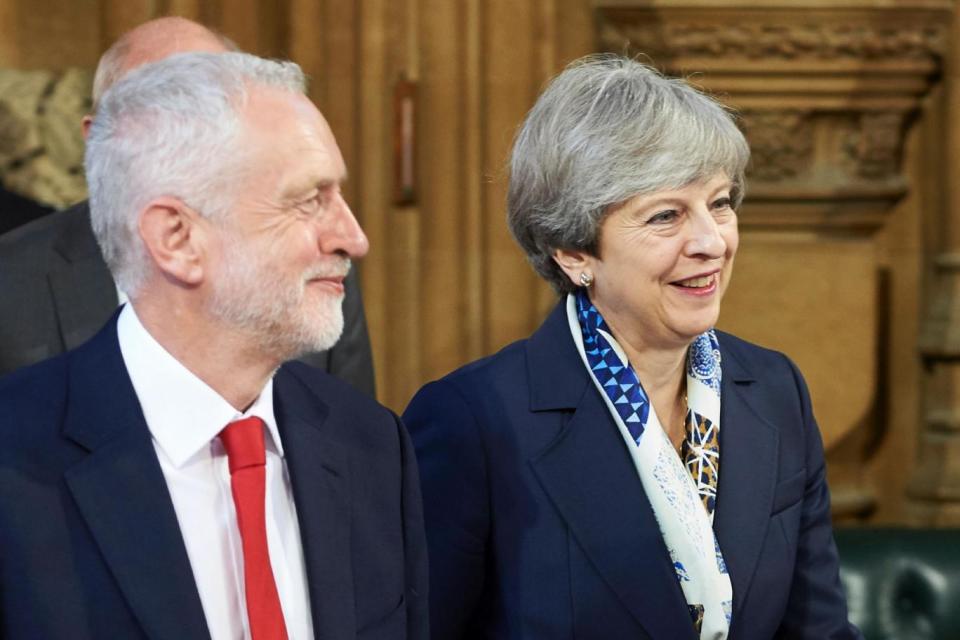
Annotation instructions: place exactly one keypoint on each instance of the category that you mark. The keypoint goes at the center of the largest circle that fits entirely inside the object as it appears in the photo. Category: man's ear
(175, 237)
(574, 262)
(85, 125)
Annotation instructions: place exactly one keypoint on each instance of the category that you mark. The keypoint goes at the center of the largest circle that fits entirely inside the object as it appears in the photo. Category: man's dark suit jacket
(90, 547)
(538, 526)
(56, 292)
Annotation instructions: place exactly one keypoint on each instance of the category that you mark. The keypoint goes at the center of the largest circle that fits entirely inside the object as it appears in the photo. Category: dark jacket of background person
(16, 210)
(56, 292)
(539, 529)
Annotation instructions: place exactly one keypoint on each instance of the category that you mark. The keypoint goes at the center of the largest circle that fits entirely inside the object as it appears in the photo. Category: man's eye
(309, 206)
(313, 205)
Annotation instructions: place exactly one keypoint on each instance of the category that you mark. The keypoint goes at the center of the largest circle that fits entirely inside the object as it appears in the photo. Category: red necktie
(243, 441)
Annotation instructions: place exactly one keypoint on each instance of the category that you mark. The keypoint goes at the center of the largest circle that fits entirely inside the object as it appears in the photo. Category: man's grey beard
(256, 300)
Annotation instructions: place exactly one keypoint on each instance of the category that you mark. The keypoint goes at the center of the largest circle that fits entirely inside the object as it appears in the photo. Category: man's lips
(328, 275)
(334, 283)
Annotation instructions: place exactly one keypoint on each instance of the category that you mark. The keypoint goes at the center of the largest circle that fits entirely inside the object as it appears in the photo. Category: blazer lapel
(590, 477)
(748, 471)
(120, 491)
(83, 291)
(319, 472)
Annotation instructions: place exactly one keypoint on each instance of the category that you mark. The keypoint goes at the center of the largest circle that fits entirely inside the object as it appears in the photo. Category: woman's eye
(723, 203)
(663, 217)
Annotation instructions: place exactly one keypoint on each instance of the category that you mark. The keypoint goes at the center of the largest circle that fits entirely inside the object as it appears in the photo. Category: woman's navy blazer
(538, 526)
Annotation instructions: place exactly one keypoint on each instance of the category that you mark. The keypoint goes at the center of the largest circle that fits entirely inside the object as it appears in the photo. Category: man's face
(280, 256)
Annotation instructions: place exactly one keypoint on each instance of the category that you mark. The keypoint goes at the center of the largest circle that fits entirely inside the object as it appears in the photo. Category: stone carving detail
(874, 148)
(12, 130)
(781, 143)
(778, 41)
(41, 149)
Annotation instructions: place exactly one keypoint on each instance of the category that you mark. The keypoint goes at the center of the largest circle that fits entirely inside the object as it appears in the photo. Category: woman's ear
(578, 265)
(175, 236)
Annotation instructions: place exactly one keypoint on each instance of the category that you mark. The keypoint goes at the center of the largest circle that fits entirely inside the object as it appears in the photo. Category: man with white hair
(172, 477)
(56, 288)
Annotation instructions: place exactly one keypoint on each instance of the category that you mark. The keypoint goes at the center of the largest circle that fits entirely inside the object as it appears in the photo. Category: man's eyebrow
(306, 185)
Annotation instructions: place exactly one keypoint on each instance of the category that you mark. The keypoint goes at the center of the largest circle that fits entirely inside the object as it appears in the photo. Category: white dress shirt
(185, 416)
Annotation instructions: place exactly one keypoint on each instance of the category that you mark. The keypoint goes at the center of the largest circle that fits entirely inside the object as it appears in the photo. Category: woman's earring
(585, 279)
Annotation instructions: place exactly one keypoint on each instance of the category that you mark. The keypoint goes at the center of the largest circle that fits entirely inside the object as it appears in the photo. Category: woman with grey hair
(627, 471)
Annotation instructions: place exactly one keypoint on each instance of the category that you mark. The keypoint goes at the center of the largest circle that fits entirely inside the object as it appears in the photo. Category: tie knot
(243, 440)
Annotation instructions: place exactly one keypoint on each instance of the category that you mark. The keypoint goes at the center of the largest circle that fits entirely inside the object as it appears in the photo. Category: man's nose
(343, 234)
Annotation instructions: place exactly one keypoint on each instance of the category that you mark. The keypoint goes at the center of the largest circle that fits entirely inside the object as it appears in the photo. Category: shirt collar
(182, 412)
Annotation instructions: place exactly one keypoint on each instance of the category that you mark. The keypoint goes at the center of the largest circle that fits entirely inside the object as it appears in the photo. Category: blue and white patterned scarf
(682, 493)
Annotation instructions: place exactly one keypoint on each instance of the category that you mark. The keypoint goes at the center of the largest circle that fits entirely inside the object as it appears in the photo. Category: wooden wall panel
(305, 38)
(441, 199)
(9, 55)
(49, 34)
(386, 229)
(892, 449)
(117, 17)
(474, 174)
(396, 246)
(513, 76)
(814, 298)
(199, 10)
(245, 24)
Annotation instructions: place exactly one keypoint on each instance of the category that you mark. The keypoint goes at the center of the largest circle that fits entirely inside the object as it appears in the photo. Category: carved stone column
(935, 487)
(826, 92)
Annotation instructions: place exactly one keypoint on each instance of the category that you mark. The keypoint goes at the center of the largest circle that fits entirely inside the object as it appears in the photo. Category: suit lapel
(80, 283)
(319, 471)
(748, 471)
(590, 477)
(120, 492)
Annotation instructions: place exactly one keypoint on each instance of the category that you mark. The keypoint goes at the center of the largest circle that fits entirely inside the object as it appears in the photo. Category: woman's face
(666, 260)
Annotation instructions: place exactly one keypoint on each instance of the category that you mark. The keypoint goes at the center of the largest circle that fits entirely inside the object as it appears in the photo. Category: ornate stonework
(761, 41)
(41, 147)
(781, 143)
(874, 148)
(13, 130)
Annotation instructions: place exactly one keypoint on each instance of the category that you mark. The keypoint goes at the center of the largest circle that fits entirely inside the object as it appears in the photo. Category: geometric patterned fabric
(700, 451)
(682, 489)
(619, 383)
(701, 448)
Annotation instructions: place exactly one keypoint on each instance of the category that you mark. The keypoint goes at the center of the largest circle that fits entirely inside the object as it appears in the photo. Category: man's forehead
(277, 110)
(286, 127)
